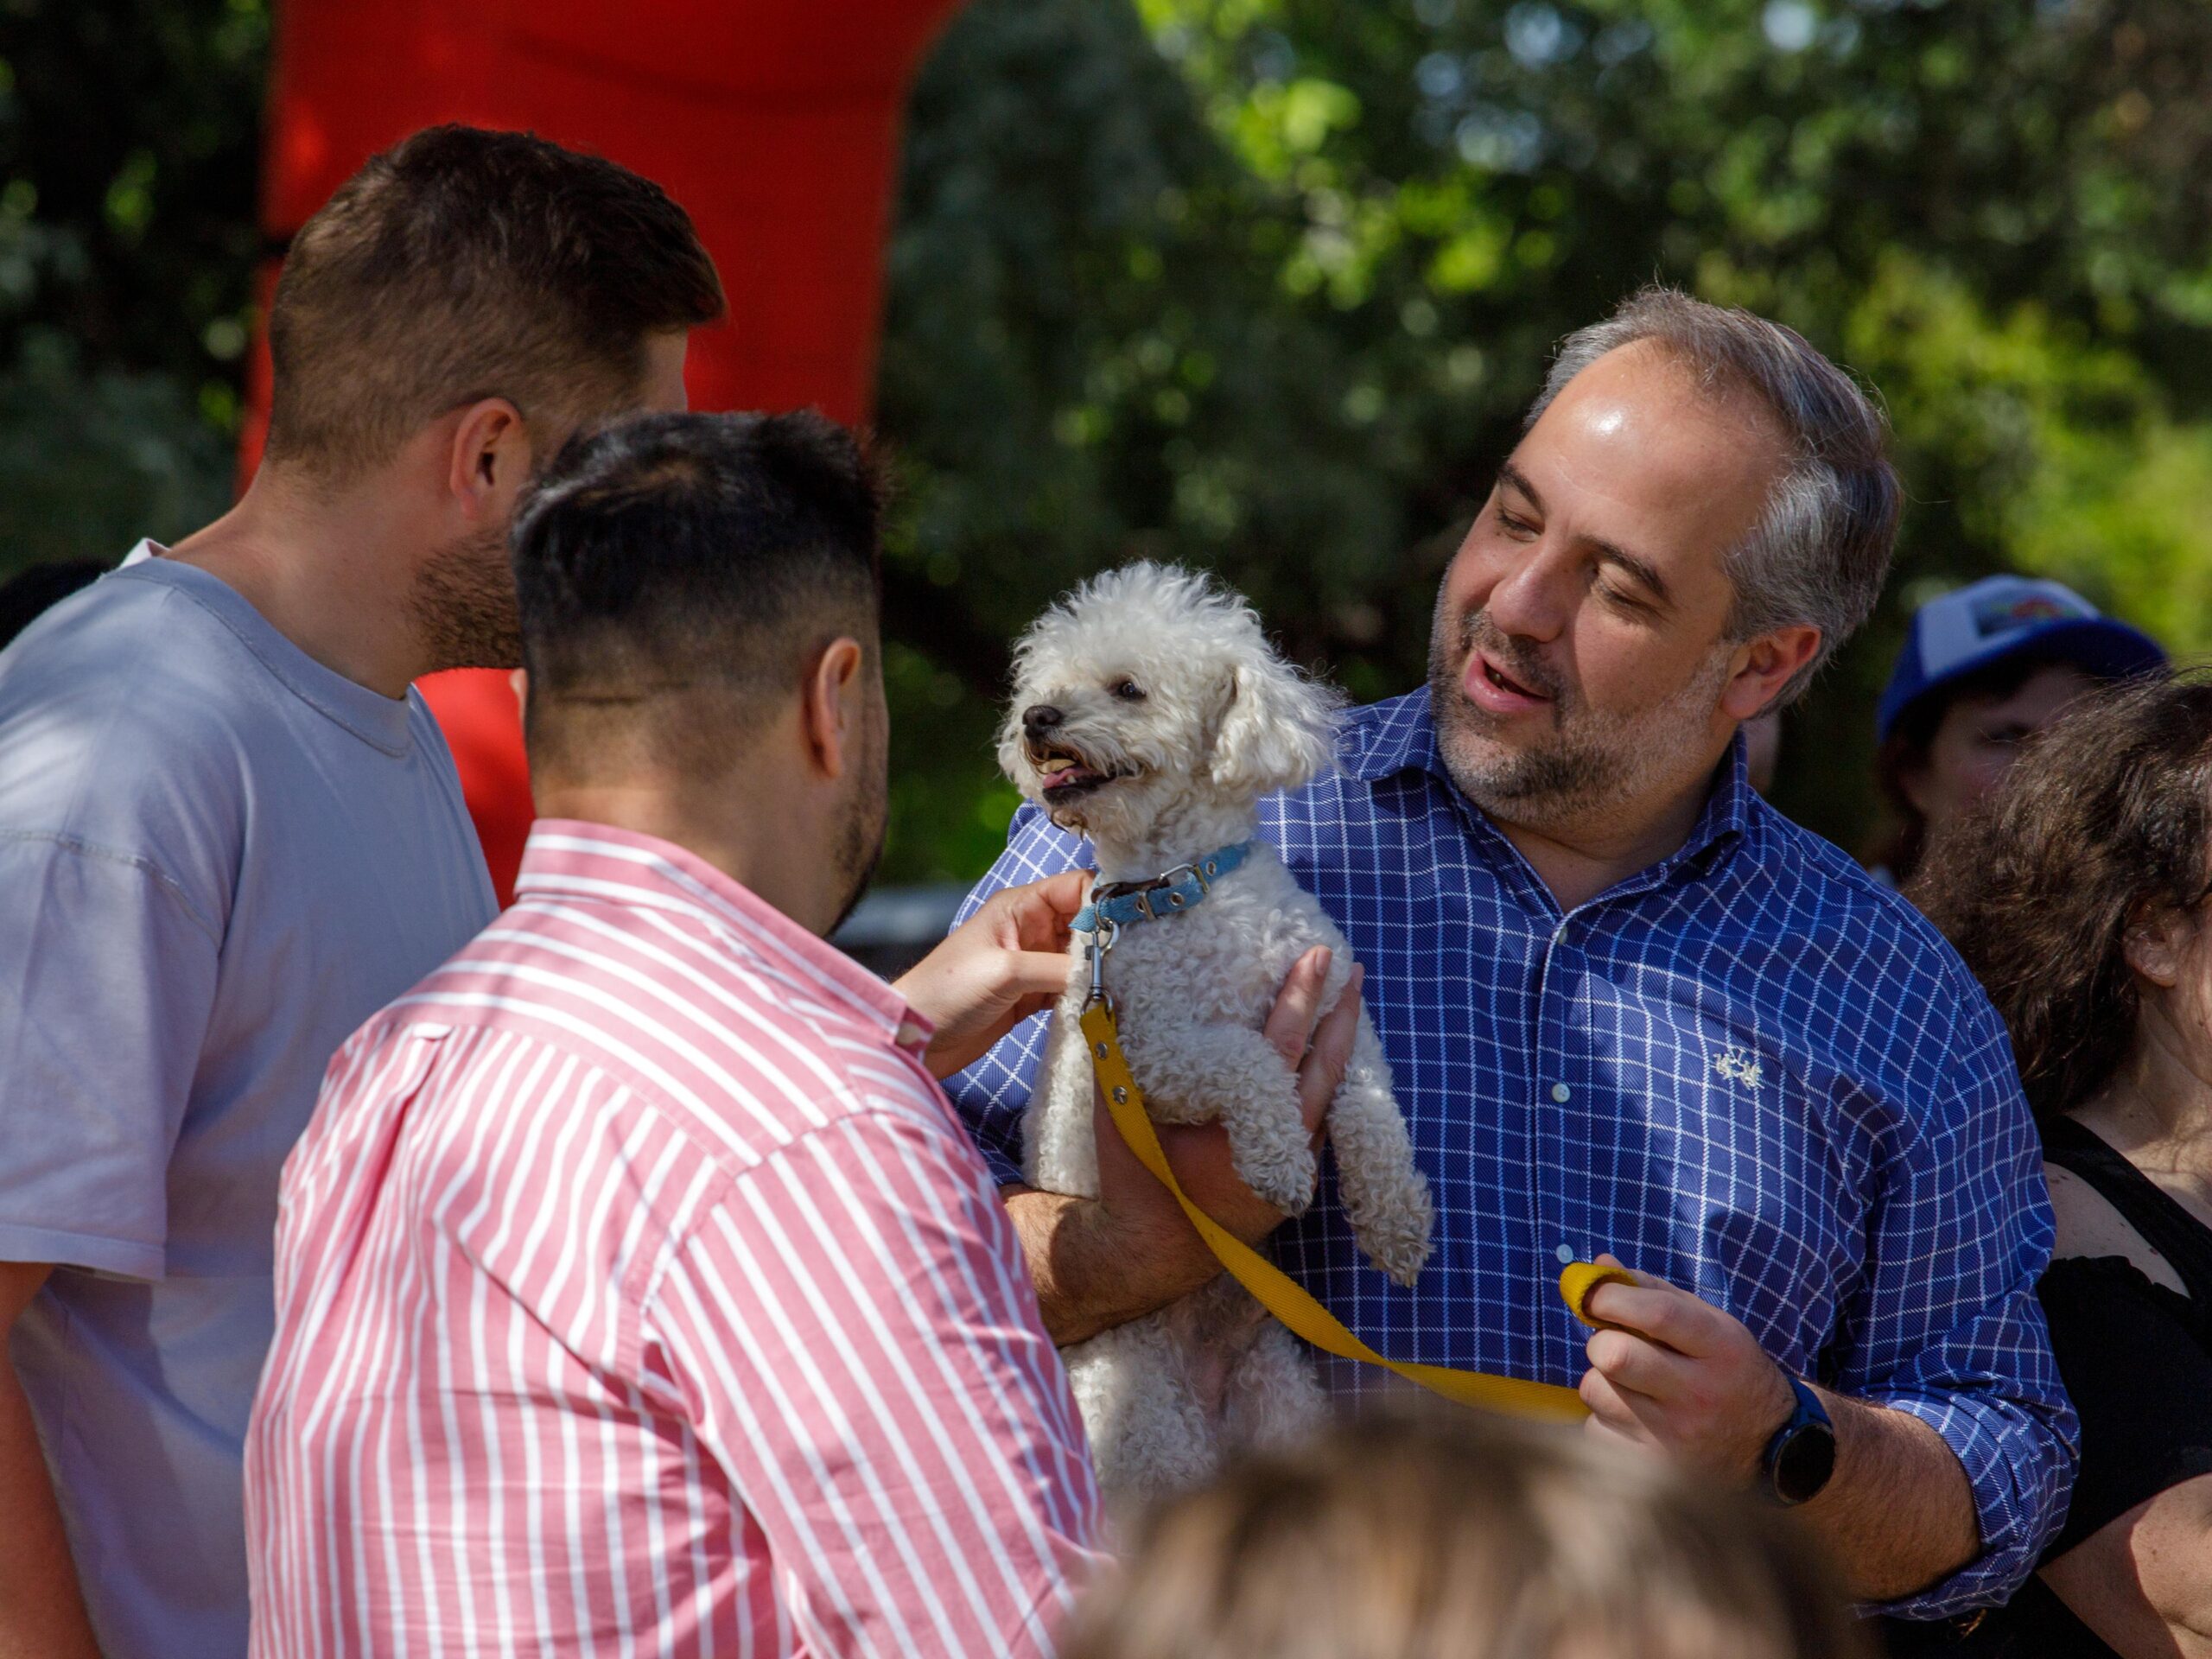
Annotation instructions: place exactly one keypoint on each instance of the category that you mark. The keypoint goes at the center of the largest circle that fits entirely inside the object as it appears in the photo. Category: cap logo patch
(2009, 613)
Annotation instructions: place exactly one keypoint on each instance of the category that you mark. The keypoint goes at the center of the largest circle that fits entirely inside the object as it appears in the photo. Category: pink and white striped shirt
(638, 1293)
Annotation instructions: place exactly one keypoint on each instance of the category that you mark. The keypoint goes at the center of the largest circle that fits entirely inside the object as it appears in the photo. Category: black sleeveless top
(2137, 1359)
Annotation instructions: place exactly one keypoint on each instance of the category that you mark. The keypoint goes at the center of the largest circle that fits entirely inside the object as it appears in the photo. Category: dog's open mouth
(1064, 777)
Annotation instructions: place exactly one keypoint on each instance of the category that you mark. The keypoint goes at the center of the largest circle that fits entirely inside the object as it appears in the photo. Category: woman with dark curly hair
(2079, 896)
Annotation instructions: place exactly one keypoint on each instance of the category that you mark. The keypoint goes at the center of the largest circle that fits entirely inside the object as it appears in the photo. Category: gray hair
(1821, 548)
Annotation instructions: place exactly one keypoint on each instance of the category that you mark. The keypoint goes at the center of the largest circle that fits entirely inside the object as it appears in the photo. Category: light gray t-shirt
(217, 859)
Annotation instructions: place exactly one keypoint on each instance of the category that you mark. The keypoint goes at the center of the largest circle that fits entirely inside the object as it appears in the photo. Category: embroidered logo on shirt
(1737, 1066)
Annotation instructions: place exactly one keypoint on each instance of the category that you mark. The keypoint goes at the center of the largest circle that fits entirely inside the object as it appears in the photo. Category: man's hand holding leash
(1678, 1375)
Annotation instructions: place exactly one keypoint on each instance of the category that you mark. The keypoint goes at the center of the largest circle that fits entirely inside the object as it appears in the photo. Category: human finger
(1636, 1366)
(1614, 1410)
(1039, 911)
(1653, 1308)
(1298, 1005)
(1036, 973)
(1321, 1073)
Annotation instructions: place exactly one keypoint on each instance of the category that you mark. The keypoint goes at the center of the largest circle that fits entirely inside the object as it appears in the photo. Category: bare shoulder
(2089, 1226)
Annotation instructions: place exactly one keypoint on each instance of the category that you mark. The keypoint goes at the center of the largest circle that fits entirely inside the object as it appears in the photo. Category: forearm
(41, 1612)
(1898, 1514)
(1094, 1271)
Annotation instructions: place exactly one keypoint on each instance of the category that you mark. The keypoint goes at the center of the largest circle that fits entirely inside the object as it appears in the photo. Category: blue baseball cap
(2002, 617)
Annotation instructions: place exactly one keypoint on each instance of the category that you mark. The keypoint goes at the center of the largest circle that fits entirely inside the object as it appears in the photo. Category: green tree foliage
(128, 162)
(1264, 285)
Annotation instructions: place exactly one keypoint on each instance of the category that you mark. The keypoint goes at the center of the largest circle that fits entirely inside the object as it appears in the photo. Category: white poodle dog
(1151, 714)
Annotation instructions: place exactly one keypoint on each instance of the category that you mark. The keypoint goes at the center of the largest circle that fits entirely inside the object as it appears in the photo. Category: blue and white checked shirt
(1749, 1070)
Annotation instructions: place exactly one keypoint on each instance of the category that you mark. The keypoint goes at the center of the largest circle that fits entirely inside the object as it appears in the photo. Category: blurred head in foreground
(1465, 1536)
(1982, 668)
(698, 596)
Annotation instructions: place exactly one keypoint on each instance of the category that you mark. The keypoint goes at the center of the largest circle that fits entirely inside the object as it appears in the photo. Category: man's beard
(463, 602)
(860, 830)
(1592, 761)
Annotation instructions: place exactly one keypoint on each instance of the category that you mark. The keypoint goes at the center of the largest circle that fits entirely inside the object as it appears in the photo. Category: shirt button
(1564, 1253)
(1561, 1093)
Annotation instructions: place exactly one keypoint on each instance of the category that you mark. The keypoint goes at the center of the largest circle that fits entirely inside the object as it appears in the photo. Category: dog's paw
(1284, 1176)
(1398, 1240)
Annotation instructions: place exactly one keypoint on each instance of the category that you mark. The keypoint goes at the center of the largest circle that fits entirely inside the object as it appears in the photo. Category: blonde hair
(1464, 1538)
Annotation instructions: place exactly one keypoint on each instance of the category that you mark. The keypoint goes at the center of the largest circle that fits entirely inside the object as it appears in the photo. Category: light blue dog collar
(1184, 888)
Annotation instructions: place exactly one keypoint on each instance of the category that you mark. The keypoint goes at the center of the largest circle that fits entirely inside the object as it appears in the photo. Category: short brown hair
(1465, 1536)
(464, 264)
(2105, 821)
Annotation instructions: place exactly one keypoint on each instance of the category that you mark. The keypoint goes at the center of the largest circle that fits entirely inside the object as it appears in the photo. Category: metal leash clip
(1101, 941)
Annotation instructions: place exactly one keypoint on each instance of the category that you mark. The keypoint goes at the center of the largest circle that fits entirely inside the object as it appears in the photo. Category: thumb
(1065, 891)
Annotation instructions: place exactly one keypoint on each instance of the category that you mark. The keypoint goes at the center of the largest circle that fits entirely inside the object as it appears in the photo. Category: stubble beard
(860, 828)
(463, 603)
(1594, 761)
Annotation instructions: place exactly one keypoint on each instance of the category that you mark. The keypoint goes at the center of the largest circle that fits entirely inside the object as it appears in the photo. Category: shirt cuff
(2021, 1471)
(124, 1258)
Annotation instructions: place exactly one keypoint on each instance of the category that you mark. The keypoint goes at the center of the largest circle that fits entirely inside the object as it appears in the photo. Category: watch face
(1803, 1462)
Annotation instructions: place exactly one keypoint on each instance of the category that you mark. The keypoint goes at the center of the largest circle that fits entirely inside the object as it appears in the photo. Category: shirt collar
(1403, 739)
(573, 859)
(380, 722)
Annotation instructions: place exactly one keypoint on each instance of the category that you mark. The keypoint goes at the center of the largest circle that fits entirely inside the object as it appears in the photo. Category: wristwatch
(1800, 1457)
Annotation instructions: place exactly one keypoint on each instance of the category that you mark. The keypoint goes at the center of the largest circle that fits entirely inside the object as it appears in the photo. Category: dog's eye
(1128, 690)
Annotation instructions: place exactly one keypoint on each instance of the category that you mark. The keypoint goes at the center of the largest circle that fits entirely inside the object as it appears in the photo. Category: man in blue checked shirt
(1633, 1011)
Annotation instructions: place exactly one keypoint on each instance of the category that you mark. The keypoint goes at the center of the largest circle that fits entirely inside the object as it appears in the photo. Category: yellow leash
(1282, 1295)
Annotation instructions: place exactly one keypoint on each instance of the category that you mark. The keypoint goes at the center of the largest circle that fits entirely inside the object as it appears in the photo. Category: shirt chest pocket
(1746, 1191)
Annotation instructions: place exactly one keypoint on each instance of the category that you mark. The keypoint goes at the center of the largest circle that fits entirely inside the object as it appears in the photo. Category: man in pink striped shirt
(638, 1292)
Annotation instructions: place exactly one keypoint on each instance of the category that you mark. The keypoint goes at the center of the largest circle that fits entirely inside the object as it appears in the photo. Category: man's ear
(829, 712)
(1763, 666)
(489, 460)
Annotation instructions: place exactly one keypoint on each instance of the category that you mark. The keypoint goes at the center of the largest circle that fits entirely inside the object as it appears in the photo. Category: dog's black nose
(1041, 717)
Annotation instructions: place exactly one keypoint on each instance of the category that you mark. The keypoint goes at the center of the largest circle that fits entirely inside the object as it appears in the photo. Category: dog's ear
(1278, 732)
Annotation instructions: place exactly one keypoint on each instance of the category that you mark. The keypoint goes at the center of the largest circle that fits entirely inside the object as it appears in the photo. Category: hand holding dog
(1007, 962)
(1318, 1049)
(1683, 1376)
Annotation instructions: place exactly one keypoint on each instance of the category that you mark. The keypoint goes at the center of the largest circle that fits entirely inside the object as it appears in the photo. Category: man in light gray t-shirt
(167, 1010)
(230, 833)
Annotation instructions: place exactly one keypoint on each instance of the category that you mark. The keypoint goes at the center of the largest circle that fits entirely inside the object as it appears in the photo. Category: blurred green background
(1264, 285)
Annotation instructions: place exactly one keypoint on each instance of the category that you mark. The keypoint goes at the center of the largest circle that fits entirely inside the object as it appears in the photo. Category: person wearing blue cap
(1983, 668)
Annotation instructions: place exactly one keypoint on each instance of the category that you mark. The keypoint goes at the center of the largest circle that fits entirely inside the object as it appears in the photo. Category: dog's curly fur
(1151, 714)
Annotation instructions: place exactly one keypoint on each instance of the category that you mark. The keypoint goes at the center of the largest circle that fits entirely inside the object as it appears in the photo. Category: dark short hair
(2105, 820)
(464, 264)
(674, 557)
(1821, 550)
